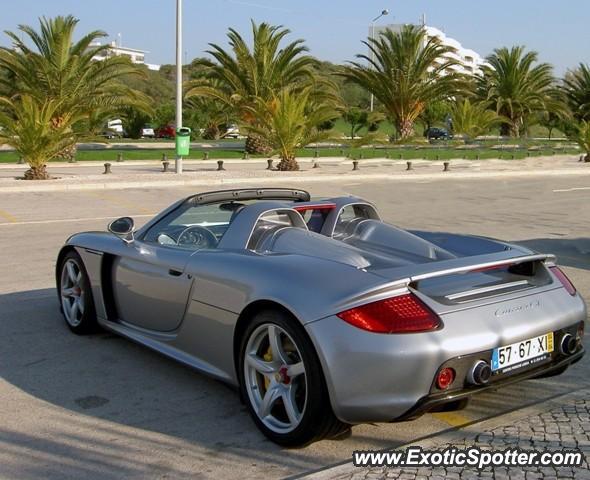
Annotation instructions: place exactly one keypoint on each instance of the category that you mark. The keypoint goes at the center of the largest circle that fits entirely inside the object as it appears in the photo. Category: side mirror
(123, 227)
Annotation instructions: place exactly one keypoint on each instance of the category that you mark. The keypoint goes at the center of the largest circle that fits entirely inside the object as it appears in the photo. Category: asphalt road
(103, 407)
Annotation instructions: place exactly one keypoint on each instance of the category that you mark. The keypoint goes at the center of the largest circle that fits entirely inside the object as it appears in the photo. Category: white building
(136, 56)
(470, 62)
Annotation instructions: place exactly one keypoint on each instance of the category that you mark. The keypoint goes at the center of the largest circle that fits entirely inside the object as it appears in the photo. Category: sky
(333, 29)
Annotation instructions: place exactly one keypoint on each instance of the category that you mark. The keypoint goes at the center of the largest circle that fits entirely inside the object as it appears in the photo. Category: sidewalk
(148, 174)
(560, 423)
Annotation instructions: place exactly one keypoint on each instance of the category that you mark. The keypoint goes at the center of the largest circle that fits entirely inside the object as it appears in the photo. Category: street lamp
(178, 162)
(382, 14)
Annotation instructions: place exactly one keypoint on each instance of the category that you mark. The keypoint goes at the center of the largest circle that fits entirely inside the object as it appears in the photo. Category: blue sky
(333, 29)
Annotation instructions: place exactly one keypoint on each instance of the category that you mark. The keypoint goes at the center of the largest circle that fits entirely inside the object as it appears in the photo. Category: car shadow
(116, 400)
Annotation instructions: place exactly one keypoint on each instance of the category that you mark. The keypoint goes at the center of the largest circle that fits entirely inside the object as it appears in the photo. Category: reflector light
(562, 277)
(444, 378)
(402, 314)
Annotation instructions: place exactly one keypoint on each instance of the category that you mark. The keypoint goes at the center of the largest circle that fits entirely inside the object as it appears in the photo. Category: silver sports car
(321, 314)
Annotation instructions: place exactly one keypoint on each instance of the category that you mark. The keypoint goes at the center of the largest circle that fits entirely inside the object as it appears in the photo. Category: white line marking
(68, 220)
(571, 189)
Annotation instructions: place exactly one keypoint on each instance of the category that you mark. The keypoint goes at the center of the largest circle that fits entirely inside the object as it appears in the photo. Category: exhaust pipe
(569, 344)
(480, 373)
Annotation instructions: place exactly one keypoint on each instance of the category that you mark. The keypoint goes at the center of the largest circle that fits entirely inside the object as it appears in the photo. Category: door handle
(174, 273)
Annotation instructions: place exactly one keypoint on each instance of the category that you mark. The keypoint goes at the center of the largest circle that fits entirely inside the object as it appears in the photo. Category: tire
(75, 295)
(287, 398)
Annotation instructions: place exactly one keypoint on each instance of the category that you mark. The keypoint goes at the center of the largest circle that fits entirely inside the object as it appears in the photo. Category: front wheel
(75, 296)
(282, 383)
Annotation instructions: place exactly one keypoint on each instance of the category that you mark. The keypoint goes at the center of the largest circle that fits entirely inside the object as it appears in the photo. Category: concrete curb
(469, 432)
(43, 186)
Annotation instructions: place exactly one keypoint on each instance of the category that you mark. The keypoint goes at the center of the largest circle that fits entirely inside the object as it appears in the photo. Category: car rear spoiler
(444, 268)
(244, 194)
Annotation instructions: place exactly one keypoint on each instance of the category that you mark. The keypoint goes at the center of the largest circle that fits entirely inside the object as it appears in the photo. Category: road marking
(69, 220)
(570, 189)
(453, 419)
(7, 216)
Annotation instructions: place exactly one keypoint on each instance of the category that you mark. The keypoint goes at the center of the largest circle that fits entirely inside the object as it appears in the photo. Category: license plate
(522, 354)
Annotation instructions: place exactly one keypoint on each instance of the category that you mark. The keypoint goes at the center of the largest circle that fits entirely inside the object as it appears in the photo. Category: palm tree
(245, 77)
(576, 87)
(472, 119)
(291, 120)
(517, 87)
(29, 126)
(64, 72)
(405, 71)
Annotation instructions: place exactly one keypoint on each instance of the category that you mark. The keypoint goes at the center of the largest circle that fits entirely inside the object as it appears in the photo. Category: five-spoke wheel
(75, 296)
(282, 383)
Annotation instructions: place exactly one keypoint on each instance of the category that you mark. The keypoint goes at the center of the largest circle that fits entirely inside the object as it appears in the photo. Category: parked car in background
(116, 126)
(147, 132)
(111, 134)
(166, 131)
(435, 133)
(232, 131)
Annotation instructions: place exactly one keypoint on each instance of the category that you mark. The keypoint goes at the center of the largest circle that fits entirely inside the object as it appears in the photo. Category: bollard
(438, 157)
(119, 157)
(341, 152)
(206, 156)
(512, 157)
(401, 156)
(580, 160)
(107, 169)
(386, 153)
(316, 164)
(269, 161)
(445, 166)
(408, 165)
(164, 157)
(220, 165)
(72, 159)
(361, 155)
(21, 161)
(355, 164)
(165, 165)
(316, 154)
(528, 154)
(245, 156)
(477, 157)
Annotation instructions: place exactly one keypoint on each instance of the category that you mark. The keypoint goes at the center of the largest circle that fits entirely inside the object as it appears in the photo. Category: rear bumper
(433, 400)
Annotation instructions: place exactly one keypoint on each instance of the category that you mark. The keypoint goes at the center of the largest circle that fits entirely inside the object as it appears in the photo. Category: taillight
(444, 378)
(402, 314)
(562, 277)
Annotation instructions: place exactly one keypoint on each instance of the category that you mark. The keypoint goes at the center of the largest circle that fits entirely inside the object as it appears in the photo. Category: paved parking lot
(102, 407)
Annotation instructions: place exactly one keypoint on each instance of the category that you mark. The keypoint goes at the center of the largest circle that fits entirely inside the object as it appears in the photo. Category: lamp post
(178, 162)
(382, 14)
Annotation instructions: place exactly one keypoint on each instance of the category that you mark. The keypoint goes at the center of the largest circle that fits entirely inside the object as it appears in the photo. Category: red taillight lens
(562, 277)
(401, 314)
(444, 378)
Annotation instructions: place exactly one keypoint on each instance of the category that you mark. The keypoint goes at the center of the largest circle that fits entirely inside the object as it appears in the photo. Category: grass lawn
(428, 152)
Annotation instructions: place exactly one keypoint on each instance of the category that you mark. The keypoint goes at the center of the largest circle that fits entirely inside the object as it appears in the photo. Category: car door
(151, 288)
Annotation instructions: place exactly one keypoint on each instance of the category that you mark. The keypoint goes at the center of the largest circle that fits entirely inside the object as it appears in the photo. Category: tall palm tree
(576, 86)
(64, 72)
(406, 71)
(246, 76)
(291, 120)
(517, 87)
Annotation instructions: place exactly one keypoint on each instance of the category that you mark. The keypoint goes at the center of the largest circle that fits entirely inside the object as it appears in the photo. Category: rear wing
(479, 267)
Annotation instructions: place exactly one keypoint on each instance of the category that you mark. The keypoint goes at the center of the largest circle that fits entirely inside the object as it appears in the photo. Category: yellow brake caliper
(267, 358)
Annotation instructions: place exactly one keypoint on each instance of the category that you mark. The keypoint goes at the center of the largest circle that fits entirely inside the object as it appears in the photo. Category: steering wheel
(197, 236)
